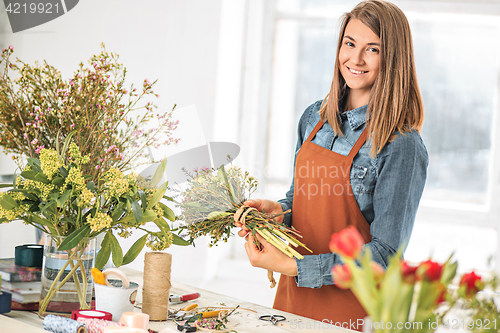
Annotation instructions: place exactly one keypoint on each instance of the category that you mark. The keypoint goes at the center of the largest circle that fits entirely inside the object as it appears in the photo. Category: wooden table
(244, 320)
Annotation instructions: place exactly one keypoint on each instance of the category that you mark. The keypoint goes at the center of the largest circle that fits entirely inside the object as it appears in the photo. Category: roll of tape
(117, 273)
(75, 314)
(59, 324)
(5, 301)
(135, 319)
(97, 325)
(29, 255)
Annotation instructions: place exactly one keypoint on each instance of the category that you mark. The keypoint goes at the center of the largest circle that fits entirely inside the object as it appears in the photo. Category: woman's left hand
(269, 257)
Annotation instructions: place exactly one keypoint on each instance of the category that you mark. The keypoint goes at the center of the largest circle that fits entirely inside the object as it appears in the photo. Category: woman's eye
(372, 49)
(349, 43)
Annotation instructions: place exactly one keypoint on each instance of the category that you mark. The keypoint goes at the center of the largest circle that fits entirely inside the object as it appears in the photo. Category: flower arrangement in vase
(413, 298)
(73, 140)
(53, 194)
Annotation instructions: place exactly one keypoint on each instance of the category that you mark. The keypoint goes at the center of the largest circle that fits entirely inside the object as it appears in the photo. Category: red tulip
(430, 270)
(472, 283)
(408, 272)
(378, 272)
(342, 276)
(347, 242)
(441, 298)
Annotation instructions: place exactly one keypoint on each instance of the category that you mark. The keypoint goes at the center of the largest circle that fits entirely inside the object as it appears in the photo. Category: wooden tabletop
(244, 319)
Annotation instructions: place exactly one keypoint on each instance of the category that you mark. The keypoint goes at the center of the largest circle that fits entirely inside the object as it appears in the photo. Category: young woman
(359, 161)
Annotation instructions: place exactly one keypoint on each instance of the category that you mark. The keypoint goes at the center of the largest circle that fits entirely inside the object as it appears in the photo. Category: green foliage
(54, 195)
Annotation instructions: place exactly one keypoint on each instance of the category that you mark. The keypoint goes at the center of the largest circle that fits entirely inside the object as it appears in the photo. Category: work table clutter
(244, 319)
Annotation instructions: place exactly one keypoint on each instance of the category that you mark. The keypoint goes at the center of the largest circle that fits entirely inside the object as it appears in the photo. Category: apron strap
(315, 130)
(359, 143)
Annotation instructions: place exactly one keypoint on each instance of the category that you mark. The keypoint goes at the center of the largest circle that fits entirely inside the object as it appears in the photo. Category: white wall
(174, 41)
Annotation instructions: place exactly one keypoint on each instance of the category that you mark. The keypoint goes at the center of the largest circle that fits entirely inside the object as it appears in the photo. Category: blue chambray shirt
(387, 188)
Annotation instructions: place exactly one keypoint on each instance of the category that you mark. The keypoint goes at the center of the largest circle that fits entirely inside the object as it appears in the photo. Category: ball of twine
(156, 287)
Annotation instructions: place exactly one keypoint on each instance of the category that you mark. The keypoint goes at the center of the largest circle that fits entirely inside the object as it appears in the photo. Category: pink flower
(39, 149)
(11, 47)
(342, 276)
(97, 167)
(146, 82)
(72, 125)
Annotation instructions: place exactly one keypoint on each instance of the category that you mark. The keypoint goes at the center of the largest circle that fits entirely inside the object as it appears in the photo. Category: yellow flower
(158, 210)
(85, 198)
(75, 179)
(158, 242)
(45, 189)
(12, 214)
(124, 232)
(76, 155)
(100, 221)
(116, 183)
(50, 162)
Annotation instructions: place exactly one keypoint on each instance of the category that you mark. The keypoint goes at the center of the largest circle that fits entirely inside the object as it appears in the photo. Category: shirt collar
(356, 117)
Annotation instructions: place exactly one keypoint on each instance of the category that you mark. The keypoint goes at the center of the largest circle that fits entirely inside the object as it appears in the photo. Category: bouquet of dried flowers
(36, 104)
(214, 201)
(53, 194)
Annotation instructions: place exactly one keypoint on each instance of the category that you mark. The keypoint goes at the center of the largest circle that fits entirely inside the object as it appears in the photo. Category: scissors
(272, 318)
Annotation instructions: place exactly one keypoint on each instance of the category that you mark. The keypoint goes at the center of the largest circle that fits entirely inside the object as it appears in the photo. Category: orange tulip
(347, 242)
(342, 276)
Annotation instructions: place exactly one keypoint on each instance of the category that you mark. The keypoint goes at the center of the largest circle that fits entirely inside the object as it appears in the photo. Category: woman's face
(359, 58)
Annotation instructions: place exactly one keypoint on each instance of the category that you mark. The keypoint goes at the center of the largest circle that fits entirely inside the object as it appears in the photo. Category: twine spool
(156, 288)
(57, 324)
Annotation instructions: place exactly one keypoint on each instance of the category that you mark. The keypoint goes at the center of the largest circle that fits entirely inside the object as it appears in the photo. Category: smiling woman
(369, 125)
(359, 61)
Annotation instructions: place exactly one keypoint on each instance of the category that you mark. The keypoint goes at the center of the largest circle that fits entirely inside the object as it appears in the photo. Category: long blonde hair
(395, 102)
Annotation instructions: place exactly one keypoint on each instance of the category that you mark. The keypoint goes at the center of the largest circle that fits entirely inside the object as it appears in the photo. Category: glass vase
(66, 276)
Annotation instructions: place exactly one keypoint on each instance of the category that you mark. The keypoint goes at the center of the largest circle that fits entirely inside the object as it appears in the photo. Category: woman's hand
(269, 257)
(262, 205)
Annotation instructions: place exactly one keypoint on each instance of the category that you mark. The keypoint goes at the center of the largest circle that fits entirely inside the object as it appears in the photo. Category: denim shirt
(387, 188)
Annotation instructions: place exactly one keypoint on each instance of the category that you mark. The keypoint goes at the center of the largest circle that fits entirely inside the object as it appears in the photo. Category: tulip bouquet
(412, 298)
(401, 298)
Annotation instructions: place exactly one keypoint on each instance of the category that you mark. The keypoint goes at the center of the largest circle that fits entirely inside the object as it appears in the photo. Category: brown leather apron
(323, 203)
